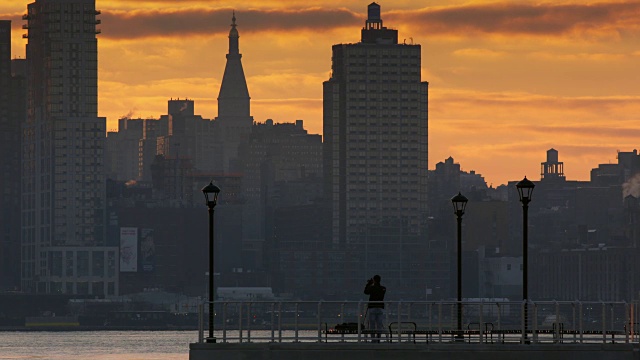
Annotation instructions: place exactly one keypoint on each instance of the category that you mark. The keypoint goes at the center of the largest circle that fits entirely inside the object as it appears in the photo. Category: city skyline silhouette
(521, 78)
(98, 228)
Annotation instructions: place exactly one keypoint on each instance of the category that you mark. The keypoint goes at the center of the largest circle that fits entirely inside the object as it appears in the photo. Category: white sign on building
(128, 249)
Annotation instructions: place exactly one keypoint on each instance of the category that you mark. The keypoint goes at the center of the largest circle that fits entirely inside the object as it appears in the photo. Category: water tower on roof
(552, 169)
(373, 32)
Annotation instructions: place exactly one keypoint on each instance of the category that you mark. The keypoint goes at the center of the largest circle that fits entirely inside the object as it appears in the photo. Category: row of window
(82, 263)
(83, 288)
(395, 52)
(383, 80)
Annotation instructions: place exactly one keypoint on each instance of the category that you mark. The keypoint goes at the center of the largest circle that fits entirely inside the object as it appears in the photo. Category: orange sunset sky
(508, 79)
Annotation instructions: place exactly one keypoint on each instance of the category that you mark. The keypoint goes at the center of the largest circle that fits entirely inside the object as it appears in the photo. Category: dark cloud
(530, 19)
(148, 23)
(466, 20)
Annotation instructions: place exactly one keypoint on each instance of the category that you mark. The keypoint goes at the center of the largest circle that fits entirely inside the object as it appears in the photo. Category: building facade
(273, 155)
(12, 114)
(63, 188)
(587, 273)
(185, 135)
(130, 151)
(375, 158)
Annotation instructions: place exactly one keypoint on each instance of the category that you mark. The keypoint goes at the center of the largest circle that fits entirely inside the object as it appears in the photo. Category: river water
(97, 345)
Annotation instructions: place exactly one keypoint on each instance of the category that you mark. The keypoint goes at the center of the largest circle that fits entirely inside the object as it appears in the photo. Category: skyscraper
(63, 194)
(234, 107)
(375, 158)
(12, 113)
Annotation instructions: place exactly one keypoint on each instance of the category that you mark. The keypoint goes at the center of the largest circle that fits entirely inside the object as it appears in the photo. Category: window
(98, 263)
(56, 263)
(97, 288)
(83, 288)
(111, 264)
(83, 263)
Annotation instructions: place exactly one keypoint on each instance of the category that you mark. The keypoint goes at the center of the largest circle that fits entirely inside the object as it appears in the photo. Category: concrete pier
(408, 351)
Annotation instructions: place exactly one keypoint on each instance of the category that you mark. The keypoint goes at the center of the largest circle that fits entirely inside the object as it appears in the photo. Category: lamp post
(525, 190)
(459, 204)
(211, 197)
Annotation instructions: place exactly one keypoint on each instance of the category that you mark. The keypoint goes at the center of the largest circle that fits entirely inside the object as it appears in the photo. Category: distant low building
(244, 293)
(597, 273)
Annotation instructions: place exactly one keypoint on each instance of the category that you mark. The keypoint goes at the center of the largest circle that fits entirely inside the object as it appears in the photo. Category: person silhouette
(375, 308)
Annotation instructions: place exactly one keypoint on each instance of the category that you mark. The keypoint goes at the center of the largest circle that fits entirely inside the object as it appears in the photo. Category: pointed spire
(234, 47)
(233, 99)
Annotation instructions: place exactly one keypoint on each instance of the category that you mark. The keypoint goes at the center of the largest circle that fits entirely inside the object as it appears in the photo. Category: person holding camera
(376, 305)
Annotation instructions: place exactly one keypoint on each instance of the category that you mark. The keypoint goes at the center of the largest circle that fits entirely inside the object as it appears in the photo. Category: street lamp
(525, 190)
(211, 197)
(459, 204)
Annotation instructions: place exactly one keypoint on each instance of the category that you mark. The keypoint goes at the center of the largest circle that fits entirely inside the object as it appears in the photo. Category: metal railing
(551, 322)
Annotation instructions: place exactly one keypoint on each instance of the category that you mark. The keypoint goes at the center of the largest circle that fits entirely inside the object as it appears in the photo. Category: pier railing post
(240, 330)
(342, 319)
(482, 329)
(359, 312)
(279, 321)
(535, 324)
(557, 332)
(581, 322)
(295, 322)
(440, 321)
(399, 321)
(320, 321)
(604, 323)
(523, 327)
(224, 322)
(626, 319)
(612, 317)
(249, 317)
(430, 316)
(200, 323)
(500, 321)
(273, 321)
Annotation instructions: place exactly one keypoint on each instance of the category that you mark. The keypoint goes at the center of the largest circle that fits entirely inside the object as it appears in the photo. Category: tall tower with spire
(234, 119)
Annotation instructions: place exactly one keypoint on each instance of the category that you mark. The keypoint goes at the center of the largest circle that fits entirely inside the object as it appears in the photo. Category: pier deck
(420, 330)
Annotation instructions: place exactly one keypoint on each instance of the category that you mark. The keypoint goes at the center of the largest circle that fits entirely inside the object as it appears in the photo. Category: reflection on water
(97, 345)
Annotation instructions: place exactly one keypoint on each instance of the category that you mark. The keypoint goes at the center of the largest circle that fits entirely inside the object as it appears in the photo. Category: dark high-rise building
(189, 136)
(234, 107)
(5, 67)
(275, 154)
(282, 166)
(63, 191)
(131, 150)
(375, 158)
(12, 114)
